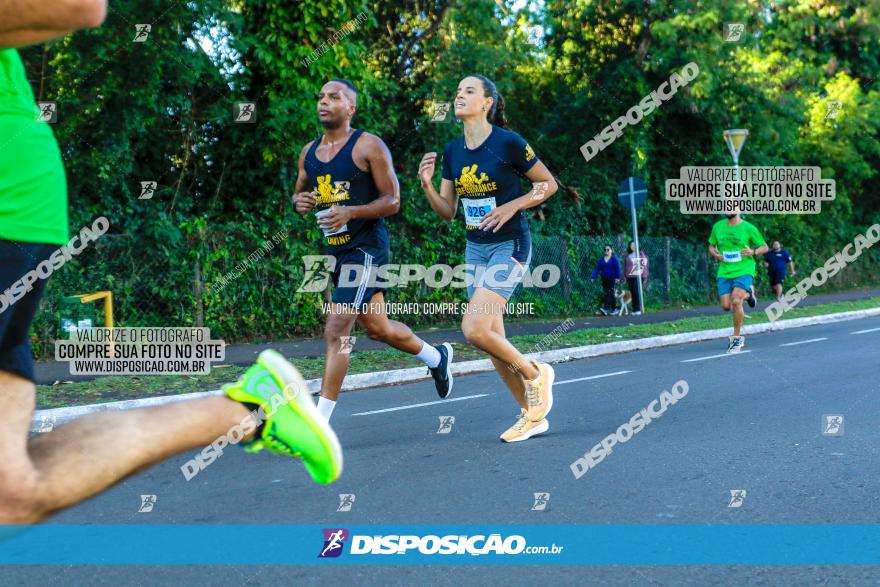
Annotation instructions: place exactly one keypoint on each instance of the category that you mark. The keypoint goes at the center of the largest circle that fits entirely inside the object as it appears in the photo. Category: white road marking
(804, 341)
(713, 357)
(409, 407)
(865, 331)
(591, 377)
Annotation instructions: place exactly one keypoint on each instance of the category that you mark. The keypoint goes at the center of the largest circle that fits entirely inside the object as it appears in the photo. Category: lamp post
(735, 139)
(632, 193)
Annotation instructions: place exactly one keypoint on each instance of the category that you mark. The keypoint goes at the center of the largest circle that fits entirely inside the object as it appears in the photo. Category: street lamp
(735, 139)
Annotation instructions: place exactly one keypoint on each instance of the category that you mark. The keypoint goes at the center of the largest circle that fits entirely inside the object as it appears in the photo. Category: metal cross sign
(632, 192)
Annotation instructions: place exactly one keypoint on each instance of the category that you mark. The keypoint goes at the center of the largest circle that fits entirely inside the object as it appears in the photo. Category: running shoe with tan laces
(524, 429)
(539, 392)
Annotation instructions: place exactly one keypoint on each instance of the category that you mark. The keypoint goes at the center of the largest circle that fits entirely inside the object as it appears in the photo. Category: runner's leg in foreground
(80, 459)
(76, 461)
(346, 176)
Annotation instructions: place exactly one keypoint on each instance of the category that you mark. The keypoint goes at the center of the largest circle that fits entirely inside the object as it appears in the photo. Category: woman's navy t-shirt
(487, 177)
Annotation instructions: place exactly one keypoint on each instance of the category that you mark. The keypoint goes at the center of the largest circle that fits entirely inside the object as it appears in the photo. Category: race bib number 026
(474, 210)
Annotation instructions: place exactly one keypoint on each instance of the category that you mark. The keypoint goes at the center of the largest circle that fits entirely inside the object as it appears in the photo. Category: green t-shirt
(730, 240)
(33, 187)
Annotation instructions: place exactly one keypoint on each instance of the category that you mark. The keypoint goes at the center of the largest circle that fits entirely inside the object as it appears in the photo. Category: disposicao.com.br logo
(334, 542)
(476, 545)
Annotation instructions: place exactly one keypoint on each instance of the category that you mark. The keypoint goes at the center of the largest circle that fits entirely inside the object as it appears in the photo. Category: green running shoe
(293, 425)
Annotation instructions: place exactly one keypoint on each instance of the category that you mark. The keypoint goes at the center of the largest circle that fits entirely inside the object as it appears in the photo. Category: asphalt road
(751, 421)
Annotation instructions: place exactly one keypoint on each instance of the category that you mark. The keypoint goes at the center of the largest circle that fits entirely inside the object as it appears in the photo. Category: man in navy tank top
(347, 180)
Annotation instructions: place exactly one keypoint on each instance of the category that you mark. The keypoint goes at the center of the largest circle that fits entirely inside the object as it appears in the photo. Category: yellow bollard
(107, 296)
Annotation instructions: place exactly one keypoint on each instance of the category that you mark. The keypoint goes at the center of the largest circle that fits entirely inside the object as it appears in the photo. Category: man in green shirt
(269, 407)
(735, 243)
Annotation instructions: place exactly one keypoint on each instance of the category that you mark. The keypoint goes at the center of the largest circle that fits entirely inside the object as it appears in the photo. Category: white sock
(429, 355)
(325, 407)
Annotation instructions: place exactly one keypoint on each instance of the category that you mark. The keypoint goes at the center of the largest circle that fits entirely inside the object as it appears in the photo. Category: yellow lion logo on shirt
(329, 192)
(469, 177)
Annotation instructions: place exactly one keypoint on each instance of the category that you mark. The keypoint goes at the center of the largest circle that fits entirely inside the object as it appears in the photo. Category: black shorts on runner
(17, 259)
(776, 277)
(359, 267)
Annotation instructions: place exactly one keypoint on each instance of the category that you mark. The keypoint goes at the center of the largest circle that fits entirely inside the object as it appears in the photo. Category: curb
(44, 420)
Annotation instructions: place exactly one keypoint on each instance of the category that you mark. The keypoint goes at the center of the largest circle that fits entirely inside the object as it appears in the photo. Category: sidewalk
(244, 354)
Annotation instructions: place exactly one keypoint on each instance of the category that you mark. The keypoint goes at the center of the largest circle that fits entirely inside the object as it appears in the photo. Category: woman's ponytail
(499, 118)
(495, 115)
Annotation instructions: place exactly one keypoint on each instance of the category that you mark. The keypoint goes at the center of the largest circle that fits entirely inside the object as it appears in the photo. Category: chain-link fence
(245, 288)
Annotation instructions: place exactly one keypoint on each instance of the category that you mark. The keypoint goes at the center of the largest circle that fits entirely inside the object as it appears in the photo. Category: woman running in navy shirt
(483, 168)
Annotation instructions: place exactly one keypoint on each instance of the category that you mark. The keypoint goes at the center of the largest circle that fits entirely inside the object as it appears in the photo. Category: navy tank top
(340, 182)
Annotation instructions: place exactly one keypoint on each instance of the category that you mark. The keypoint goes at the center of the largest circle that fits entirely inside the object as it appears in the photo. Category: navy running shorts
(20, 293)
(776, 277)
(355, 279)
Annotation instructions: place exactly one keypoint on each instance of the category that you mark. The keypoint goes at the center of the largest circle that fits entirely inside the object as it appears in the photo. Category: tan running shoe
(539, 392)
(524, 428)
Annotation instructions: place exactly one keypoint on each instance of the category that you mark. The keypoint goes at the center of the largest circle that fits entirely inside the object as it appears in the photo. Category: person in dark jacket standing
(633, 269)
(608, 267)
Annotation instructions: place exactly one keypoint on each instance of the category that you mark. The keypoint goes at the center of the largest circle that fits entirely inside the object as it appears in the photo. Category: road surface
(752, 422)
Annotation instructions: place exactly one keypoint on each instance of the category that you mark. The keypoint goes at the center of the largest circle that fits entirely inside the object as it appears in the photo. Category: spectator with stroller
(608, 267)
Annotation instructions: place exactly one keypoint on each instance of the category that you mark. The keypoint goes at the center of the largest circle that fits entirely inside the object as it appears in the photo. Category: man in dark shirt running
(775, 261)
(347, 177)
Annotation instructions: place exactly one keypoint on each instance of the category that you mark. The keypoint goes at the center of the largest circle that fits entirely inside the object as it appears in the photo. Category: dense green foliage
(162, 110)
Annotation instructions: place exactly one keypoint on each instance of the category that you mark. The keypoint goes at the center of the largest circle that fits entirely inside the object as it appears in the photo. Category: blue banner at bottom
(166, 544)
